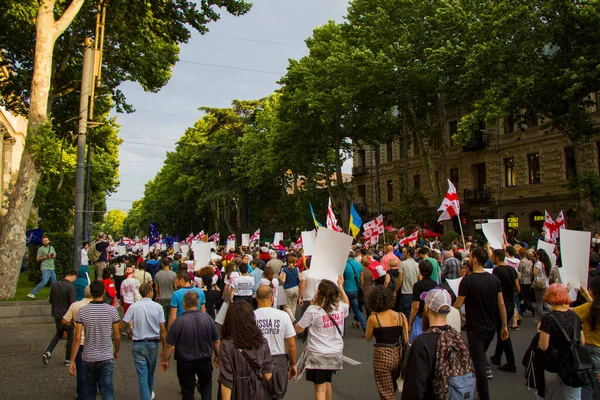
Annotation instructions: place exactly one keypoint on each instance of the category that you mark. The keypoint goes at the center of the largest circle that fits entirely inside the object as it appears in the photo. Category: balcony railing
(477, 194)
(476, 143)
(359, 170)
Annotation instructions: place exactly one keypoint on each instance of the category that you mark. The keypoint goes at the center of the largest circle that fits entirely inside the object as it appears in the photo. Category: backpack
(93, 253)
(576, 365)
(454, 377)
(392, 284)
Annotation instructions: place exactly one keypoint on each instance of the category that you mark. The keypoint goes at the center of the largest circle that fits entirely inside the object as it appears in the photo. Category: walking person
(269, 279)
(389, 328)
(102, 243)
(46, 255)
(324, 319)
(407, 277)
(277, 328)
(85, 246)
(541, 270)
(589, 314)
(289, 277)
(194, 337)
(425, 284)
(165, 286)
(148, 330)
(481, 293)
(69, 320)
(62, 295)
(183, 284)
(525, 280)
(307, 289)
(509, 283)
(100, 321)
(246, 360)
(241, 287)
(353, 281)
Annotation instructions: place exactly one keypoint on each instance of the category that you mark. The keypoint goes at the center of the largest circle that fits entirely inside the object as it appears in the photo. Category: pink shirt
(385, 261)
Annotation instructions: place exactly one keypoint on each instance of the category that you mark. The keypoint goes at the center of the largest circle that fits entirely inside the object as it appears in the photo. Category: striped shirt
(97, 319)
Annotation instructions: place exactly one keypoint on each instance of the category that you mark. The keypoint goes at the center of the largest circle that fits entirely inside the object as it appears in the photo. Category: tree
(113, 223)
(31, 31)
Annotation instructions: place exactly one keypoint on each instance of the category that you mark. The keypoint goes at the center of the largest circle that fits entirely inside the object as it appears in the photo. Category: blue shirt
(257, 274)
(147, 316)
(350, 282)
(291, 278)
(177, 299)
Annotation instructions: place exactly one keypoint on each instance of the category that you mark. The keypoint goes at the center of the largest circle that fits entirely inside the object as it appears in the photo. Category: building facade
(508, 171)
(14, 131)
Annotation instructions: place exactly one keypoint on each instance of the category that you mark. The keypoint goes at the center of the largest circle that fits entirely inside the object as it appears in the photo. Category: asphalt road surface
(24, 376)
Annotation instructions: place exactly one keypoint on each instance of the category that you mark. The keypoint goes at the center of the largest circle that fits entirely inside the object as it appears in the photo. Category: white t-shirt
(265, 282)
(84, 257)
(128, 288)
(276, 326)
(323, 336)
(120, 269)
(453, 319)
(232, 276)
(310, 287)
(242, 285)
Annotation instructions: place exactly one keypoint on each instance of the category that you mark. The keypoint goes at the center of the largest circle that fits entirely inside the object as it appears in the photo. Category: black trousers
(60, 329)
(478, 345)
(504, 346)
(187, 371)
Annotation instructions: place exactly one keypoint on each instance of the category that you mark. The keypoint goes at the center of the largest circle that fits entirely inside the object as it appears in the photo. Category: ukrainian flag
(317, 223)
(355, 221)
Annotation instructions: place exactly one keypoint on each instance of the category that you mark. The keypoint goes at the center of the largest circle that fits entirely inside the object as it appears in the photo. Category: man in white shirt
(407, 277)
(277, 328)
(84, 254)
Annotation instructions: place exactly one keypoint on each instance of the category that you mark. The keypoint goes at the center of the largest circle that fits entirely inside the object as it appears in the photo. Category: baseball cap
(438, 300)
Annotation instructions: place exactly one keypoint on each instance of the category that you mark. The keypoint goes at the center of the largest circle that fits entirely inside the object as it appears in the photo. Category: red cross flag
(552, 228)
(411, 238)
(331, 220)
(450, 205)
(231, 237)
(255, 236)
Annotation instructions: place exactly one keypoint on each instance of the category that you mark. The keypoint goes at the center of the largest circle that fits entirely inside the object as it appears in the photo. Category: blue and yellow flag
(355, 221)
(317, 223)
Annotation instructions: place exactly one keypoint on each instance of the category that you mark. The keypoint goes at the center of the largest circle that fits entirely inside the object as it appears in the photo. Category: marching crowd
(413, 300)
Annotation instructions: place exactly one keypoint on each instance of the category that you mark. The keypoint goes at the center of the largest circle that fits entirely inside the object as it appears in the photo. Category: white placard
(176, 247)
(278, 236)
(493, 233)
(145, 250)
(201, 255)
(281, 299)
(122, 250)
(497, 220)
(185, 249)
(245, 239)
(163, 246)
(213, 245)
(308, 241)
(575, 255)
(549, 248)
(454, 285)
(222, 313)
(330, 255)
(230, 245)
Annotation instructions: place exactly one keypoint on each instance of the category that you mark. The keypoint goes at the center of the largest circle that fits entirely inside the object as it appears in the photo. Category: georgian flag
(331, 220)
(200, 236)
(298, 243)
(231, 237)
(450, 205)
(255, 236)
(215, 238)
(190, 238)
(379, 224)
(552, 228)
(411, 238)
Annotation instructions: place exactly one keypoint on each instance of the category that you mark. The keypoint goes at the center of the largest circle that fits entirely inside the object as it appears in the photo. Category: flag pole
(461, 232)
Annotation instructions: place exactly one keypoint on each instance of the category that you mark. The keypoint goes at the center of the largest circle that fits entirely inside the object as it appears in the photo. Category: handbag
(540, 280)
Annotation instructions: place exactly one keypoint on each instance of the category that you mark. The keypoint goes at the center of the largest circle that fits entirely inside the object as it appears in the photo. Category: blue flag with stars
(154, 236)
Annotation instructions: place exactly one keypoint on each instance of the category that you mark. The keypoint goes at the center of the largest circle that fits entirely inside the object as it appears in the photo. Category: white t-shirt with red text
(323, 336)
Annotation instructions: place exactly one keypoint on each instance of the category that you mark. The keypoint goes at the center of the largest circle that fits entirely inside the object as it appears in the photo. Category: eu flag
(355, 221)
(154, 236)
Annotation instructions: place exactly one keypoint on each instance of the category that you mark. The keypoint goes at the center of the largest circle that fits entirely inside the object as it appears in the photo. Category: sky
(239, 58)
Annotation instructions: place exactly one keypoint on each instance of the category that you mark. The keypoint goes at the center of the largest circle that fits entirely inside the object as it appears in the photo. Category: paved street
(24, 376)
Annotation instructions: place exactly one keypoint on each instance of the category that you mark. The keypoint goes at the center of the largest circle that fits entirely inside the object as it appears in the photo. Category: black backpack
(576, 368)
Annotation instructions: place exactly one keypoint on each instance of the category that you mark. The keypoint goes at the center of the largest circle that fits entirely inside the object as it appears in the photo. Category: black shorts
(319, 376)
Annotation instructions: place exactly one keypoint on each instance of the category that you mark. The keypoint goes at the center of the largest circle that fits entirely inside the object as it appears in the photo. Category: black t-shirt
(481, 301)
(558, 345)
(508, 276)
(101, 247)
(424, 285)
(420, 368)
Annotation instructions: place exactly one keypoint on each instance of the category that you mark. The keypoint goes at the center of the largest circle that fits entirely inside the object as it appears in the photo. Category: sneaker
(508, 368)
(46, 357)
(31, 296)
(488, 373)
(67, 363)
(494, 361)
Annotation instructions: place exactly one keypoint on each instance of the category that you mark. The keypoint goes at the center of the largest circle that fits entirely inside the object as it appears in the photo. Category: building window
(402, 149)
(390, 152)
(362, 193)
(454, 177)
(362, 158)
(452, 130)
(390, 191)
(509, 172)
(570, 166)
(478, 174)
(536, 220)
(534, 168)
(417, 182)
(532, 119)
(509, 124)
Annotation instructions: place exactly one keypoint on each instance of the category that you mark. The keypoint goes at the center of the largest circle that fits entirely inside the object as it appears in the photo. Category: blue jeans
(99, 373)
(353, 297)
(590, 392)
(144, 356)
(556, 389)
(417, 329)
(80, 375)
(406, 304)
(47, 275)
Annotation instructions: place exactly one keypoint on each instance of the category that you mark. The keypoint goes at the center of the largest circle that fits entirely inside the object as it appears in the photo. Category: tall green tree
(113, 223)
(39, 54)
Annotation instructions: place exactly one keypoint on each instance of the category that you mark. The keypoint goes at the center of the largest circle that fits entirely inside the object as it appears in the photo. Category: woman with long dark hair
(246, 362)
(541, 270)
(589, 314)
(324, 319)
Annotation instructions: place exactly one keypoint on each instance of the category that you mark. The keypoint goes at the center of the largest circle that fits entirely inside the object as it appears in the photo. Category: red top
(109, 287)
